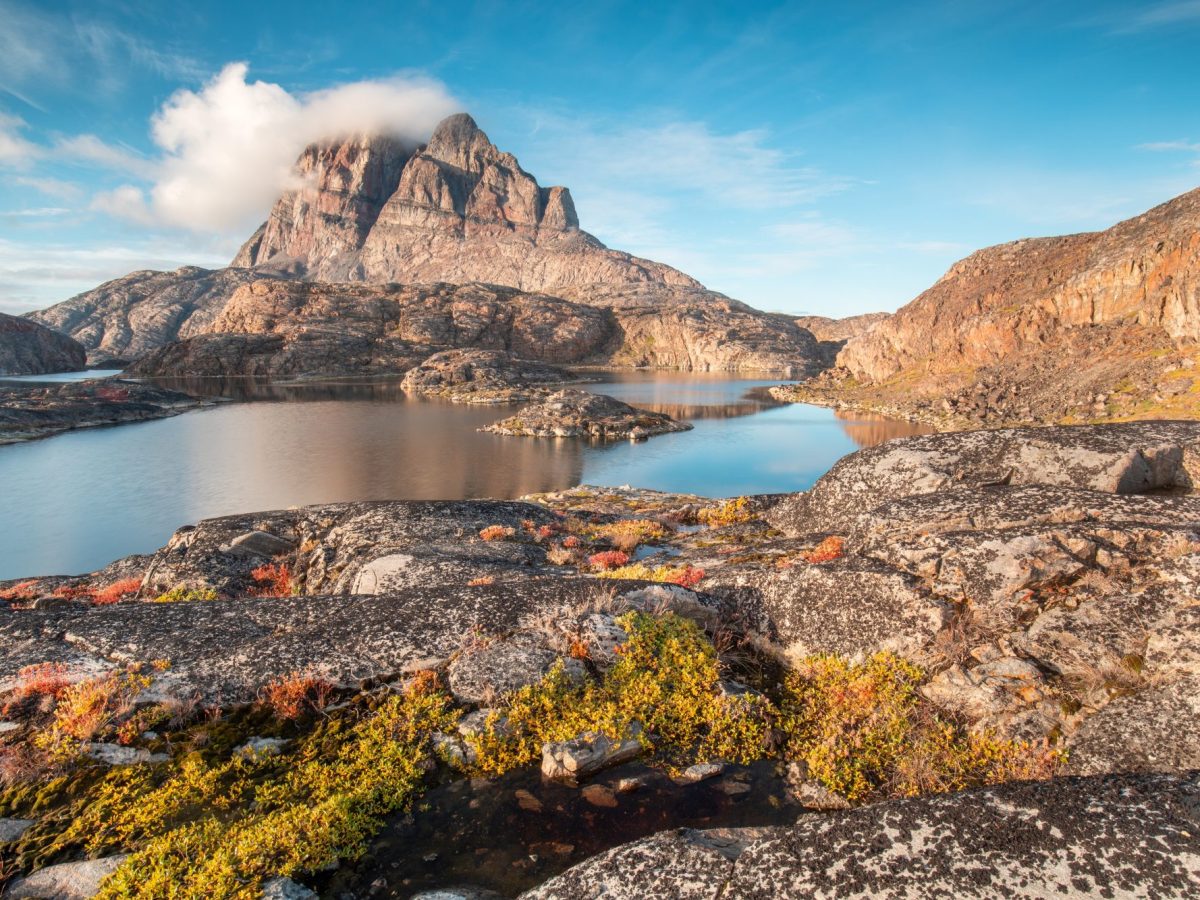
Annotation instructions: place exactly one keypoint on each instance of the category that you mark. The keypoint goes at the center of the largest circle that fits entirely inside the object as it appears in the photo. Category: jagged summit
(457, 209)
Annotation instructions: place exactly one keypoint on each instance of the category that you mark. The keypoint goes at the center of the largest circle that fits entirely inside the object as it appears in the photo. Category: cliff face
(455, 220)
(457, 210)
(1083, 327)
(27, 348)
(1143, 272)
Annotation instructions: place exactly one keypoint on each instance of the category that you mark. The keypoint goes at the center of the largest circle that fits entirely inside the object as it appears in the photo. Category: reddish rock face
(1017, 297)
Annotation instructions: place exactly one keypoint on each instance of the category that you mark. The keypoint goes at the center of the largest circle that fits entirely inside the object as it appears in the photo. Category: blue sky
(825, 158)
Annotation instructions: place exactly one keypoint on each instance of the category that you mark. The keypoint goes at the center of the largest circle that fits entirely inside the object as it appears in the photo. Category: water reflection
(73, 503)
(868, 429)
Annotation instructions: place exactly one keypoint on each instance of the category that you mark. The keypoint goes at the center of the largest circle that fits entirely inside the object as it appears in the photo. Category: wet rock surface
(483, 376)
(576, 413)
(31, 410)
(1104, 837)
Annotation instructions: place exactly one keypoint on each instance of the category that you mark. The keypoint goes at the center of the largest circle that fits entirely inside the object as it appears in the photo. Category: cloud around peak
(227, 150)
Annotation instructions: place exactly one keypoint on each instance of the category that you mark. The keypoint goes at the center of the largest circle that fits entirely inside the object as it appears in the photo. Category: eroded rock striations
(456, 221)
(576, 413)
(1086, 327)
(27, 348)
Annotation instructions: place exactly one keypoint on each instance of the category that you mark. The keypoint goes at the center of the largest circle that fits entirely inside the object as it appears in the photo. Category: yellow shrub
(731, 512)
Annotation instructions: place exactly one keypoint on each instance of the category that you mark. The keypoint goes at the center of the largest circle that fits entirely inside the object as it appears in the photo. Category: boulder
(66, 881)
(1129, 458)
(584, 756)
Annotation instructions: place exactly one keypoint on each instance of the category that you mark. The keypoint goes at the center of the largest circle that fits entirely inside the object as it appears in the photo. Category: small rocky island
(956, 654)
(576, 413)
(483, 376)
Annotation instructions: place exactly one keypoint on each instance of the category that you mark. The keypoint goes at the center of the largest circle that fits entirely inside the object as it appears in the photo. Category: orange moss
(291, 696)
(833, 547)
(272, 580)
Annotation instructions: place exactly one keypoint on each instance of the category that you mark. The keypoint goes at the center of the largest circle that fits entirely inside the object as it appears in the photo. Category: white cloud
(1186, 146)
(51, 187)
(229, 148)
(15, 149)
(89, 149)
(32, 276)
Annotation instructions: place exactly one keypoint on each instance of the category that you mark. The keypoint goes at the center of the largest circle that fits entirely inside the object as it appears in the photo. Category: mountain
(1094, 326)
(27, 348)
(456, 219)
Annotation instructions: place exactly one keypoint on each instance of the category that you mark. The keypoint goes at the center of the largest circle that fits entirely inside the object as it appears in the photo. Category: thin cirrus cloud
(227, 150)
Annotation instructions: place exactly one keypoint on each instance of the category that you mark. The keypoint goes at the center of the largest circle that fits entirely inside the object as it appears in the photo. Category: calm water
(75, 502)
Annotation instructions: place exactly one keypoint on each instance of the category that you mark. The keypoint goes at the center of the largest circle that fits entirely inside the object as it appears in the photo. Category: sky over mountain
(820, 158)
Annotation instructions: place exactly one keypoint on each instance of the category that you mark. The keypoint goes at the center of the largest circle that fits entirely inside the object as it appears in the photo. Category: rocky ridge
(383, 226)
(27, 348)
(1087, 327)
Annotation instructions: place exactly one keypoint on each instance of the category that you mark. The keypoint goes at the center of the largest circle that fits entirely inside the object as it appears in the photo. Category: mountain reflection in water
(77, 501)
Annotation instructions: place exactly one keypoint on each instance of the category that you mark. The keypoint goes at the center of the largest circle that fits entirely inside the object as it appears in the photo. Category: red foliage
(112, 394)
(118, 590)
(46, 679)
(272, 580)
(290, 696)
(608, 559)
(20, 592)
(828, 550)
(571, 542)
(75, 591)
(496, 533)
(688, 577)
(546, 532)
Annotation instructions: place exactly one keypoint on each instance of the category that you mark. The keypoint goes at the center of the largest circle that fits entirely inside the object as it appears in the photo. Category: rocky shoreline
(29, 411)
(573, 413)
(1006, 605)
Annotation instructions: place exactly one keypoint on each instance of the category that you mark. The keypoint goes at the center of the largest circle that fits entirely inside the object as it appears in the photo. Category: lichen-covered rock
(850, 606)
(486, 673)
(356, 548)
(1127, 836)
(576, 413)
(1153, 730)
(29, 348)
(483, 376)
(1131, 458)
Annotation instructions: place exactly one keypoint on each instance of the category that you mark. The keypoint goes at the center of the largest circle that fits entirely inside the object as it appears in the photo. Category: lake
(73, 503)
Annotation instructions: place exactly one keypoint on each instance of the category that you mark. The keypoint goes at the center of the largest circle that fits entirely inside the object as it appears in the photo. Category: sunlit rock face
(373, 227)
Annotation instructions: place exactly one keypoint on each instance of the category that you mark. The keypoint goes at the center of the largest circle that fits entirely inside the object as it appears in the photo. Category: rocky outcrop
(834, 333)
(1101, 837)
(126, 317)
(483, 376)
(1083, 327)
(27, 348)
(29, 411)
(576, 413)
(279, 329)
(1047, 578)
(456, 219)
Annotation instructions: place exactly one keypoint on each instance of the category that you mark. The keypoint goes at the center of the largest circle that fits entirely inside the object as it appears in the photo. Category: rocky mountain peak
(455, 210)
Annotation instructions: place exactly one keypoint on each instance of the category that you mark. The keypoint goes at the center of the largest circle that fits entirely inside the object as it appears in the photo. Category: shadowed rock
(28, 348)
